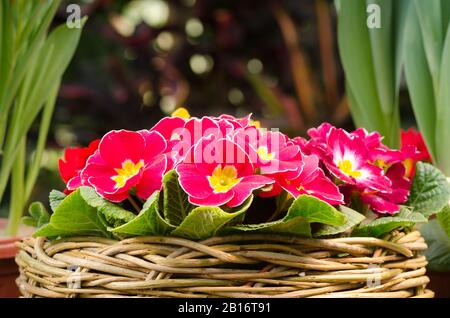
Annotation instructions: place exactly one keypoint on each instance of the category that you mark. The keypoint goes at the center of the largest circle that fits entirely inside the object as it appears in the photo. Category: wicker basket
(254, 265)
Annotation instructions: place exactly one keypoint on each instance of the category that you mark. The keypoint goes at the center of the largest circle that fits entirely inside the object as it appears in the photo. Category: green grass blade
(419, 81)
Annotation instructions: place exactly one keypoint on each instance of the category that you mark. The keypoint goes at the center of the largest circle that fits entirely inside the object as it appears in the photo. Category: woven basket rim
(249, 265)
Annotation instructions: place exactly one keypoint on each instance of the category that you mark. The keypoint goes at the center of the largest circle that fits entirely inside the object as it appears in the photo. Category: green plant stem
(134, 204)
(17, 190)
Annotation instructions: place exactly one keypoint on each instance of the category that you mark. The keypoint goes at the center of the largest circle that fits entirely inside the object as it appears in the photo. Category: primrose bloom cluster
(223, 160)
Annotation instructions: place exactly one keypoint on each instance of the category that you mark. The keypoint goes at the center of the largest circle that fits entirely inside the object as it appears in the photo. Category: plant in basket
(180, 210)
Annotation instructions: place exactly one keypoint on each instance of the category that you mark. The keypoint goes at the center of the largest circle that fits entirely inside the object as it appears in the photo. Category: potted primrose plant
(179, 210)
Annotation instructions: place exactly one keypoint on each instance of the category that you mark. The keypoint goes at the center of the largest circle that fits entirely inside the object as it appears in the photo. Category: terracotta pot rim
(8, 248)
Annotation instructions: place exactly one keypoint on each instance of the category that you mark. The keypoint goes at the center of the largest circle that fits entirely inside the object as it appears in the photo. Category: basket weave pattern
(251, 265)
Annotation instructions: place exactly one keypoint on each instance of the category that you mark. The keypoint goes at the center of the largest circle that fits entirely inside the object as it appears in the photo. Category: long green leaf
(420, 83)
(356, 55)
(430, 22)
(445, 14)
(443, 111)
(383, 55)
(35, 164)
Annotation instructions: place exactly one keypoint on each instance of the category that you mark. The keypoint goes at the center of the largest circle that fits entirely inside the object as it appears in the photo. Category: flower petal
(151, 179)
(117, 146)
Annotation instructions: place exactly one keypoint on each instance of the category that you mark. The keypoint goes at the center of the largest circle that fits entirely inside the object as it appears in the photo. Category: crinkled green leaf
(175, 200)
(56, 197)
(74, 216)
(204, 222)
(444, 219)
(438, 251)
(148, 222)
(113, 214)
(39, 213)
(353, 219)
(386, 224)
(430, 190)
(303, 211)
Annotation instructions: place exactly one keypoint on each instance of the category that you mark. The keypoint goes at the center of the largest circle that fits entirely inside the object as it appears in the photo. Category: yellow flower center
(409, 165)
(223, 179)
(255, 123)
(128, 170)
(264, 154)
(181, 112)
(346, 167)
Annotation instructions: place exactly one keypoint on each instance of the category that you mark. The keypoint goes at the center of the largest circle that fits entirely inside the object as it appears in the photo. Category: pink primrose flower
(308, 179)
(127, 159)
(217, 172)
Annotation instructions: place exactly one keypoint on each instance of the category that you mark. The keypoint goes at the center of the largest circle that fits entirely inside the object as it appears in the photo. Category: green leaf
(430, 190)
(303, 211)
(444, 219)
(438, 251)
(50, 231)
(29, 221)
(356, 54)
(114, 215)
(239, 209)
(443, 110)
(353, 219)
(430, 21)
(56, 197)
(39, 213)
(383, 55)
(386, 224)
(175, 200)
(148, 222)
(204, 222)
(420, 83)
(74, 217)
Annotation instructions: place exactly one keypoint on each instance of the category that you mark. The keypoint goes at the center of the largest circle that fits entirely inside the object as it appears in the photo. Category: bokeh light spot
(168, 104)
(235, 96)
(165, 41)
(201, 64)
(255, 66)
(194, 27)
